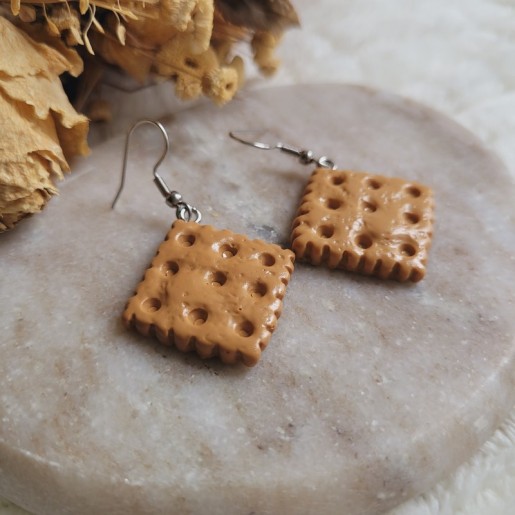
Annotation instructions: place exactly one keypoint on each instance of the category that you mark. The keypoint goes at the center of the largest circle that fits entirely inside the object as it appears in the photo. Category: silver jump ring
(325, 162)
(187, 213)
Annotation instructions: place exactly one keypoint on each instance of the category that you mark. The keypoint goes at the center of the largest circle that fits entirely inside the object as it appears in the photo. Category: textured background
(456, 57)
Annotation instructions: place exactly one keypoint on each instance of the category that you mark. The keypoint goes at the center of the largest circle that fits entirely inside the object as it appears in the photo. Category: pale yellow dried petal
(52, 28)
(32, 203)
(163, 21)
(17, 202)
(239, 66)
(83, 6)
(10, 193)
(136, 61)
(154, 30)
(220, 85)
(48, 99)
(42, 93)
(15, 7)
(9, 221)
(53, 166)
(20, 56)
(201, 25)
(176, 59)
(24, 134)
(64, 17)
(74, 63)
(73, 139)
(187, 88)
(38, 126)
(19, 177)
(121, 33)
(263, 45)
(74, 37)
(179, 12)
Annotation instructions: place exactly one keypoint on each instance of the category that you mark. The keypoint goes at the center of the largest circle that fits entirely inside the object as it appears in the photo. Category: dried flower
(39, 128)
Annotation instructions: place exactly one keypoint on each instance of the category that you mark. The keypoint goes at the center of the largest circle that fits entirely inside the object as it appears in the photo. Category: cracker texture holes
(220, 295)
(369, 224)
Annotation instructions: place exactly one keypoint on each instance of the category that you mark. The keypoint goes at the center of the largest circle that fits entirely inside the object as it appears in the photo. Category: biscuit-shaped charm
(365, 223)
(212, 291)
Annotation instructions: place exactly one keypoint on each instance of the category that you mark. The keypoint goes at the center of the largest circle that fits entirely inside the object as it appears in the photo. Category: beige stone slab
(371, 391)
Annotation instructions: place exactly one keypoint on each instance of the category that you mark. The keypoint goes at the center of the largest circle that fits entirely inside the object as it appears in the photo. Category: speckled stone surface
(369, 391)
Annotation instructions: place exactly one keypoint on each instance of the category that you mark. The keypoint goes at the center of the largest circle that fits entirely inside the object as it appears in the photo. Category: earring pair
(216, 292)
(357, 221)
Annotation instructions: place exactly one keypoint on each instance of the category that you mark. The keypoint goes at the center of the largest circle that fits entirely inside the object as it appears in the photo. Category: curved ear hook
(126, 154)
(173, 198)
(306, 157)
(255, 144)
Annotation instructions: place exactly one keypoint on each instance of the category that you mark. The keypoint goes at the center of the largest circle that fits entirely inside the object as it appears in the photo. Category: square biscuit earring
(357, 221)
(210, 291)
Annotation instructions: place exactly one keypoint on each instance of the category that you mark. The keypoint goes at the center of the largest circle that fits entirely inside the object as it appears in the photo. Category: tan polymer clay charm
(210, 291)
(364, 223)
(213, 292)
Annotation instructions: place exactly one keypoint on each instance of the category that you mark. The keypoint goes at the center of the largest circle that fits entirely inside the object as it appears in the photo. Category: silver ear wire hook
(306, 157)
(173, 198)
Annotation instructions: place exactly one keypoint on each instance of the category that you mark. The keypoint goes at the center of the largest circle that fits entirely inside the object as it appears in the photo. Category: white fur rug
(484, 485)
(456, 56)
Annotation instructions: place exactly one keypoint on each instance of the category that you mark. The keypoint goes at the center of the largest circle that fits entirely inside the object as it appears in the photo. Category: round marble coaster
(369, 391)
